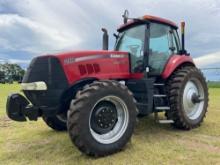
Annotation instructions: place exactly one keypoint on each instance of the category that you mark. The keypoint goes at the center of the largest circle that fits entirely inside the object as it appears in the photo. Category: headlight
(38, 86)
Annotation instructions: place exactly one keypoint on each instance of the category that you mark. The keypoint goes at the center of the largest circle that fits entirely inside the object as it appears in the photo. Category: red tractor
(97, 95)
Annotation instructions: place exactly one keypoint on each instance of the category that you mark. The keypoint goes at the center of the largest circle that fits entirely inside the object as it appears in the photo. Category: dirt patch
(194, 145)
(208, 137)
(5, 122)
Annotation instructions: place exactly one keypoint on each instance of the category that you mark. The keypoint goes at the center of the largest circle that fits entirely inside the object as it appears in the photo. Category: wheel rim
(193, 98)
(62, 117)
(119, 125)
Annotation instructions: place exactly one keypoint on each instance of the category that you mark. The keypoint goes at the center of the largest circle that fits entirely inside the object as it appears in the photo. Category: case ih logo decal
(71, 60)
(117, 56)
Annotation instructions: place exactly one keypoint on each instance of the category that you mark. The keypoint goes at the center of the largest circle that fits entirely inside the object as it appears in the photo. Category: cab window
(162, 44)
(132, 41)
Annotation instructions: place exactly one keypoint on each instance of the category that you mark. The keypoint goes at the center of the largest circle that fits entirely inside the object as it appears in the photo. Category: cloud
(15, 61)
(39, 26)
(209, 64)
(83, 19)
(209, 60)
(24, 34)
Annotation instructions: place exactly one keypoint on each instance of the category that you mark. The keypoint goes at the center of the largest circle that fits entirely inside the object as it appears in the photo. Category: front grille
(49, 70)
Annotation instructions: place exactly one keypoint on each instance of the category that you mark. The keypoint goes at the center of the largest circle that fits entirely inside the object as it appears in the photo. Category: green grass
(213, 84)
(151, 143)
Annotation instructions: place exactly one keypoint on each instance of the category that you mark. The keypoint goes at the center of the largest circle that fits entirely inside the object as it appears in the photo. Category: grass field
(214, 84)
(151, 143)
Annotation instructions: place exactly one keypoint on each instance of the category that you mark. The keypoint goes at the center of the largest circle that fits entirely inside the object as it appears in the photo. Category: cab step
(162, 108)
(165, 121)
(159, 84)
(161, 121)
(160, 95)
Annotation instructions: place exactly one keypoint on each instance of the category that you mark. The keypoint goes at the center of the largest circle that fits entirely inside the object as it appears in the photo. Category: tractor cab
(150, 41)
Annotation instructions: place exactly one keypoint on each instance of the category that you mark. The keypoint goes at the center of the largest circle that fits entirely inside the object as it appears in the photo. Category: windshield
(133, 37)
(132, 41)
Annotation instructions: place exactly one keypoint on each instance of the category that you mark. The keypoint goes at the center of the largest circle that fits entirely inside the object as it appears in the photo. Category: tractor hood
(78, 65)
(49, 76)
(99, 64)
(89, 54)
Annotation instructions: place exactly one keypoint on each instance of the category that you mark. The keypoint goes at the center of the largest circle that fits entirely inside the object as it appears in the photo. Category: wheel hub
(109, 119)
(196, 98)
(191, 94)
(193, 98)
(104, 118)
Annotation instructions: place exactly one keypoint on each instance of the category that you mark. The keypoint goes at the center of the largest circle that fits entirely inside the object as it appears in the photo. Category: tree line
(12, 72)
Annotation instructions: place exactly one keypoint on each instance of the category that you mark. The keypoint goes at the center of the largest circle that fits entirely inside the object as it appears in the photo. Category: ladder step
(162, 108)
(158, 84)
(158, 95)
(165, 121)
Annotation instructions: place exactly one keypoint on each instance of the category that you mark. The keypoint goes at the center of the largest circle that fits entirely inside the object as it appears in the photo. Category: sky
(29, 28)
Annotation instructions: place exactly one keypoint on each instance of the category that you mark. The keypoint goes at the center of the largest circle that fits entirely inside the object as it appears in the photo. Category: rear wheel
(188, 97)
(102, 117)
(57, 122)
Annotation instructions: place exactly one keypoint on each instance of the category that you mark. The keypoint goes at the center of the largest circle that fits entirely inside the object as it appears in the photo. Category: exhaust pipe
(105, 39)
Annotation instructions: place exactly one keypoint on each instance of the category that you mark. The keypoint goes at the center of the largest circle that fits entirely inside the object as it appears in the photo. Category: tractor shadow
(149, 128)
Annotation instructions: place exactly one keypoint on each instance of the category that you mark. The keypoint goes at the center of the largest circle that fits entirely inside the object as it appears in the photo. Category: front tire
(57, 123)
(102, 117)
(188, 97)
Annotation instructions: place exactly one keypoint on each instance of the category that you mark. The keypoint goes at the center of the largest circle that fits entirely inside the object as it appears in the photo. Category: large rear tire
(102, 117)
(188, 97)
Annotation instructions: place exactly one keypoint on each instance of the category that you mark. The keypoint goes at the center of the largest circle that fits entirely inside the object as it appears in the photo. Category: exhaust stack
(105, 39)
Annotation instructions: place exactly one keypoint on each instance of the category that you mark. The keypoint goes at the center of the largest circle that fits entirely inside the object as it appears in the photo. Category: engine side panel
(101, 65)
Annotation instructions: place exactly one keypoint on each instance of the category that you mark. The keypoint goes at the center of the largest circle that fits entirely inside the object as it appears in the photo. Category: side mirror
(125, 16)
(105, 39)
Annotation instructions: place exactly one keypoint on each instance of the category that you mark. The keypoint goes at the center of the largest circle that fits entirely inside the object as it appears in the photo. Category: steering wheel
(133, 47)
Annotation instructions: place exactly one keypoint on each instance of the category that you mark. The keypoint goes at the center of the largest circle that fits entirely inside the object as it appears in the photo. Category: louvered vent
(89, 68)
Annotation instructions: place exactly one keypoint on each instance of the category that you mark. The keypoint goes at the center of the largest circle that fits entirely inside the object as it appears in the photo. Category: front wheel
(57, 123)
(188, 97)
(102, 117)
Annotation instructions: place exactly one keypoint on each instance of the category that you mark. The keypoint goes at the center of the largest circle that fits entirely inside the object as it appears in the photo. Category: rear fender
(175, 62)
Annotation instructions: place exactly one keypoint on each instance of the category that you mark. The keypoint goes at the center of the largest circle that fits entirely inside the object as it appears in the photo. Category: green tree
(2, 75)
(12, 71)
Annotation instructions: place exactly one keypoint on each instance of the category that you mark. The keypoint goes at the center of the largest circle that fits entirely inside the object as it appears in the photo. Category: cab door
(162, 45)
(132, 40)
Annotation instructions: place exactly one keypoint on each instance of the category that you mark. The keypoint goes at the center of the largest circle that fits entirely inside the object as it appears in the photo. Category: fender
(77, 85)
(70, 93)
(174, 62)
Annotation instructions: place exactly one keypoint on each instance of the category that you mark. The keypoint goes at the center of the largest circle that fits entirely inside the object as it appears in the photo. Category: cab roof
(148, 18)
